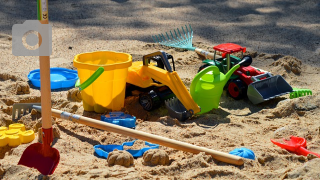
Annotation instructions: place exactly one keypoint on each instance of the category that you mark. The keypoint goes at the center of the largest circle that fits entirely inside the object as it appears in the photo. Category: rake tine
(159, 38)
(187, 31)
(171, 35)
(184, 32)
(168, 36)
(154, 39)
(176, 38)
(176, 34)
(163, 38)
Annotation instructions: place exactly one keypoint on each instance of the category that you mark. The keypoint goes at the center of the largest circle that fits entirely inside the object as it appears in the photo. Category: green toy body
(207, 87)
(251, 82)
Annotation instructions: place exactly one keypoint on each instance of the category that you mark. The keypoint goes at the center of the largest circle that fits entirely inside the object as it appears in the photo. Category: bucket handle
(90, 80)
(198, 76)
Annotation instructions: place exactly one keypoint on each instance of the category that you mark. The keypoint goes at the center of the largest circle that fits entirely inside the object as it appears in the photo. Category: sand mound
(122, 158)
(289, 64)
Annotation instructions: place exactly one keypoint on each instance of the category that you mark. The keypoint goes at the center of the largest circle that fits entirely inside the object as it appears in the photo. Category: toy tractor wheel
(237, 89)
(149, 101)
(203, 67)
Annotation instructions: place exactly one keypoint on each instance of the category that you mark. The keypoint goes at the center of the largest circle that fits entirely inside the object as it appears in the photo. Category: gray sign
(44, 30)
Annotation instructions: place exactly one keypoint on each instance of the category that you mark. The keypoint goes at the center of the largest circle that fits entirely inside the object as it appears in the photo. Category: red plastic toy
(296, 145)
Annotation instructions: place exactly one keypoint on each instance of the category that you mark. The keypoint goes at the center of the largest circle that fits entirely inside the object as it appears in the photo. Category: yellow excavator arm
(173, 81)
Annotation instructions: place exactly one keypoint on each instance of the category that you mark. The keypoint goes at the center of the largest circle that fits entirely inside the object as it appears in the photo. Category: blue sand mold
(59, 77)
(120, 118)
(103, 150)
(243, 152)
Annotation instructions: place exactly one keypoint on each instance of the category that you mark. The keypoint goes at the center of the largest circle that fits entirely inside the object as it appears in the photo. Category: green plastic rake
(176, 38)
(181, 39)
(299, 93)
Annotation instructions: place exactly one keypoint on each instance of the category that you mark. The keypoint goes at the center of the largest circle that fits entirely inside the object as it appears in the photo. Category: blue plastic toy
(103, 150)
(59, 77)
(243, 152)
(120, 118)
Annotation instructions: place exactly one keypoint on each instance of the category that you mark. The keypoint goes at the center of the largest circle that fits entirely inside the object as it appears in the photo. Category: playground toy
(207, 86)
(108, 91)
(103, 150)
(42, 156)
(295, 145)
(90, 80)
(120, 118)
(221, 156)
(243, 152)
(181, 40)
(152, 92)
(144, 75)
(299, 93)
(244, 82)
(59, 77)
(257, 85)
(15, 135)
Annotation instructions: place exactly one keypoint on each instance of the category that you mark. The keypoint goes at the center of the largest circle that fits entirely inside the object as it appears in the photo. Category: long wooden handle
(221, 156)
(44, 70)
(206, 54)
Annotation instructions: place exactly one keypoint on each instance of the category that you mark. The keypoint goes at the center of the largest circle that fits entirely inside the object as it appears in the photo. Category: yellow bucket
(108, 91)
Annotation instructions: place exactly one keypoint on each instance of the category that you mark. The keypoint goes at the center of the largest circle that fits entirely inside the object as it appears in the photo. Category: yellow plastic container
(16, 135)
(108, 91)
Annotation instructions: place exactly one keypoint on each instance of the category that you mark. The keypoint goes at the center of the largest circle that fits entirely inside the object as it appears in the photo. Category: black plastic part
(177, 110)
(240, 87)
(203, 67)
(149, 101)
(246, 61)
(163, 57)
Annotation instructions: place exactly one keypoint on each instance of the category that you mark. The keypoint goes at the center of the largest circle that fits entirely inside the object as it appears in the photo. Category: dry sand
(282, 36)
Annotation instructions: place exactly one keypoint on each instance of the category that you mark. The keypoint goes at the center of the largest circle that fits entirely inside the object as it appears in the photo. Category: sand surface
(283, 38)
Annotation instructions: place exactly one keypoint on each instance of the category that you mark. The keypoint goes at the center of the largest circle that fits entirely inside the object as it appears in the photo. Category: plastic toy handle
(198, 76)
(91, 79)
(258, 77)
(305, 152)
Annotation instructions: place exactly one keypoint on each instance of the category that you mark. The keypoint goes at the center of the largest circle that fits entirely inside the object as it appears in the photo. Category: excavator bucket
(268, 88)
(177, 110)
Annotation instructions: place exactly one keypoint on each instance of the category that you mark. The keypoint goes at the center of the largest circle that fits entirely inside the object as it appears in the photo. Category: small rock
(311, 156)
(260, 160)
(34, 112)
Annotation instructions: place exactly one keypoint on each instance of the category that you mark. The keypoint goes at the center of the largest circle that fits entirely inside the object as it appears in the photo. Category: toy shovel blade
(284, 146)
(295, 145)
(44, 159)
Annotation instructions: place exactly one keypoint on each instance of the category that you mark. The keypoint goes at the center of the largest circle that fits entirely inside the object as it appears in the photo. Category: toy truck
(256, 84)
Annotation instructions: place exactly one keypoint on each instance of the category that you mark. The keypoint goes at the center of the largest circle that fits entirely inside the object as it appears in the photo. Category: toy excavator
(159, 82)
(164, 85)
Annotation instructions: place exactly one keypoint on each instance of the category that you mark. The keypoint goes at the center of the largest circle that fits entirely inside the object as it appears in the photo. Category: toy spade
(295, 145)
(42, 156)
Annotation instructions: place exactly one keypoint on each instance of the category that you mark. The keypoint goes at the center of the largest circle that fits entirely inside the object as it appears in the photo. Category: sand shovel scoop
(295, 145)
(40, 156)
